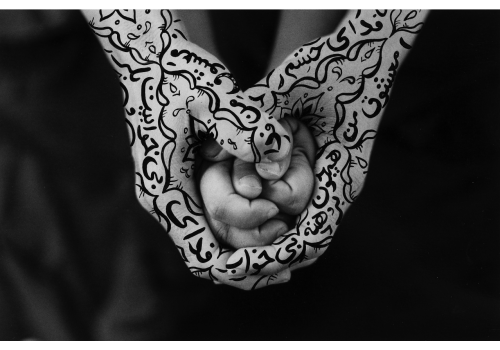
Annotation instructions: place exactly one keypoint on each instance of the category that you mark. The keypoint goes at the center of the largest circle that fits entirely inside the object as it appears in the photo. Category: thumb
(276, 169)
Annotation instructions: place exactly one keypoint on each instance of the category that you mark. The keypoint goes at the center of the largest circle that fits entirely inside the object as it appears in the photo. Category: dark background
(417, 257)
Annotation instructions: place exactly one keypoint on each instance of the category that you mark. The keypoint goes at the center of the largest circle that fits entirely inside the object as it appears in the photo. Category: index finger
(292, 192)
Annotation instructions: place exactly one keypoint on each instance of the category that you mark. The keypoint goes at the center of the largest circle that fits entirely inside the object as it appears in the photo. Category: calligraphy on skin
(175, 94)
(339, 86)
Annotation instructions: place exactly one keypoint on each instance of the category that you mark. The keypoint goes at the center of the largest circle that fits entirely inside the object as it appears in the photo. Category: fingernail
(250, 181)
(271, 168)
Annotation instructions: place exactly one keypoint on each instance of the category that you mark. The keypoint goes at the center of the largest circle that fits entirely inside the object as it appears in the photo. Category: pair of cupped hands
(270, 171)
(248, 204)
(244, 189)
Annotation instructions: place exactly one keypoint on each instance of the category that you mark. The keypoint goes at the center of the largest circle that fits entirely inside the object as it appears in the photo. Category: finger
(275, 170)
(219, 273)
(293, 191)
(225, 205)
(304, 142)
(254, 237)
(255, 282)
(216, 271)
(178, 212)
(263, 235)
(315, 227)
(246, 180)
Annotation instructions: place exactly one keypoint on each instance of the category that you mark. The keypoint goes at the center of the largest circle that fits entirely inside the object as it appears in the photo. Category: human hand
(242, 208)
(339, 86)
(175, 95)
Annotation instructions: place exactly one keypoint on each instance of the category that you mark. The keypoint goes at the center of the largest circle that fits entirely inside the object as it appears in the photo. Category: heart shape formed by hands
(176, 94)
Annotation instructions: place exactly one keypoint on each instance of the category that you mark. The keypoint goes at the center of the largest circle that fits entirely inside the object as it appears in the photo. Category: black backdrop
(417, 257)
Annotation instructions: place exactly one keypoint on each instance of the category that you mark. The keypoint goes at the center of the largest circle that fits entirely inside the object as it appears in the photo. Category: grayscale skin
(175, 95)
(338, 85)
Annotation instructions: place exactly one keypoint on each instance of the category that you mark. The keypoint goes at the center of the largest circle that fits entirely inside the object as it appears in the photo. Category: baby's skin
(249, 205)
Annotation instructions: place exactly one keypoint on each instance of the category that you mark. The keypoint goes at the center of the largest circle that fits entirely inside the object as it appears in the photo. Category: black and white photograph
(249, 174)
